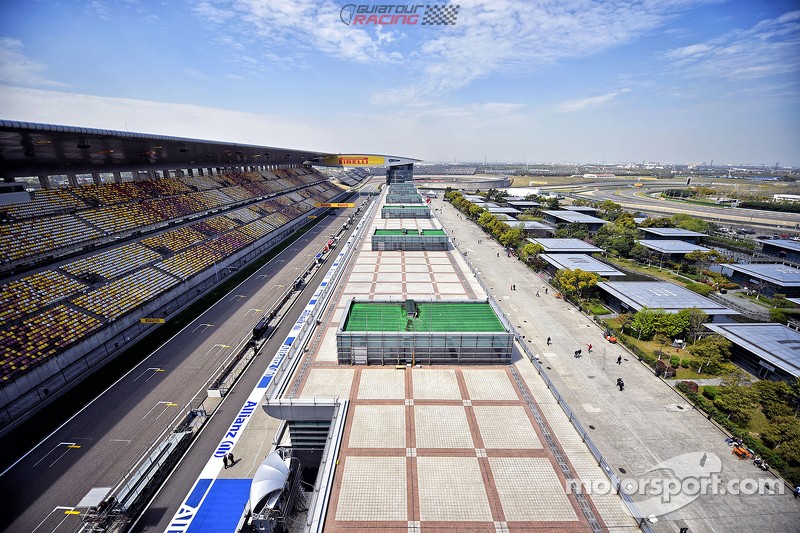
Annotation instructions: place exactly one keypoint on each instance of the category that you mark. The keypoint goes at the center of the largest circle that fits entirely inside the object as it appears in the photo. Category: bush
(710, 392)
(675, 361)
(700, 288)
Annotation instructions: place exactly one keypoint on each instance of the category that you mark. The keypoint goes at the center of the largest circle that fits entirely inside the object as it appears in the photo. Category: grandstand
(81, 264)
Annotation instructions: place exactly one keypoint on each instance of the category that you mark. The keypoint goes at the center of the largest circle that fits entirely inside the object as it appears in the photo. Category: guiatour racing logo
(399, 14)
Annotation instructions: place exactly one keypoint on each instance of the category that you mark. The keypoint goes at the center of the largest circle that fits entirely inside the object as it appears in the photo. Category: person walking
(619, 360)
(589, 346)
(548, 341)
(537, 294)
(545, 290)
(620, 384)
(225, 461)
(231, 459)
(797, 492)
(577, 353)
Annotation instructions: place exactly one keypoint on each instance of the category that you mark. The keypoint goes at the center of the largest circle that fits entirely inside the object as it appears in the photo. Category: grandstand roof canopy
(31, 149)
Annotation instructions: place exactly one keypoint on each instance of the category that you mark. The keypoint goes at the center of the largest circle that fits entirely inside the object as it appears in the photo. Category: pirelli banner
(360, 160)
(327, 204)
(355, 160)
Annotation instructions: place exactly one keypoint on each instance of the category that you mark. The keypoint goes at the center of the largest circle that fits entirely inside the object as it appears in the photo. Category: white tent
(268, 482)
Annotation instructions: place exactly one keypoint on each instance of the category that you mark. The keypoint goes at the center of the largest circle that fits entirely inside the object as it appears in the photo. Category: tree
(737, 401)
(645, 321)
(475, 211)
(530, 251)
(688, 222)
(700, 258)
(713, 350)
(660, 222)
(780, 430)
(640, 253)
(695, 319)
(576, 282)
(774, 397)
(672, 324)
(662, 341)
(512, 237)
(486, 219)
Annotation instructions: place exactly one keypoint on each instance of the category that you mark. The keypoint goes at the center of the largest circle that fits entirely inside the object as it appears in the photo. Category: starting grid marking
(186, 513)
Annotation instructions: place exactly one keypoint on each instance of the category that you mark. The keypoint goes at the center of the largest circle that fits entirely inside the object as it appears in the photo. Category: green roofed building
(405, 211)
(425, 332)
(409, 239)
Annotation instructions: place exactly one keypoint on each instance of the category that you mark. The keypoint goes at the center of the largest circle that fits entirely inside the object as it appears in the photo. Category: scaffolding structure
(409, 239)
(405, 211)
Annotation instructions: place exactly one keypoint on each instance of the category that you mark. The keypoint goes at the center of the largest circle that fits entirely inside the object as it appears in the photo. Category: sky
(578, 81)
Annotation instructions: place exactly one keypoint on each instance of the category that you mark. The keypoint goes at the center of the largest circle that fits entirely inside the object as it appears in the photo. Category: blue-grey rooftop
(532, 225)
(575, 216)
(786, 244)
(776, 273)
(661, 295)
(506, 210)
(580, 208)
(583, 262)
(553, 245)
(775, 343)
(673, 232)
(523, 204)
(669, 246)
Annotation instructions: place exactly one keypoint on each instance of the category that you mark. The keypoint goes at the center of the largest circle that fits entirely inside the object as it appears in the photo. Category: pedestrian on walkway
(498, 254)
(514, 287)
(545, 290)
(577, 353)
(590, 347)
(225, 461)
(620, 384)
(548, 341)
(619, 360)
(231, 460)
(797, 492)
(537, 294)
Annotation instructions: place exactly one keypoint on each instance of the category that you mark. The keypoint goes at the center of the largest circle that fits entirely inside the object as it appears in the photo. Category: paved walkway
(636, 430)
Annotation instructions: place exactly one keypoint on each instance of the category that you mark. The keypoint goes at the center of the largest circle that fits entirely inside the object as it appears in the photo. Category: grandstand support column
(117, 176)
(96, 178)
(190, 172)
(44, 182)
(72, 180)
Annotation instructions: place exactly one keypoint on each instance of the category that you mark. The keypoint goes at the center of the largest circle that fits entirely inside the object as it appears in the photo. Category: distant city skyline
(676, 81)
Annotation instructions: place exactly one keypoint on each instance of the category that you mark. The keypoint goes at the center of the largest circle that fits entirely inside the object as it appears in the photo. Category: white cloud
(163, 118)
(17, 69)
(489, 37)
(771, 47)
(592, 101)
(506, 36)
(291, 30)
